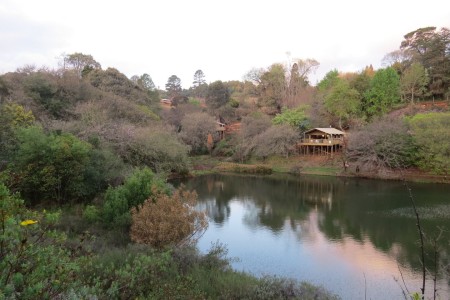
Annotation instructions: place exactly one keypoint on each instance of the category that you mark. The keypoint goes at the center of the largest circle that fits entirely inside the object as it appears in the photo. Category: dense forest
(81, 136)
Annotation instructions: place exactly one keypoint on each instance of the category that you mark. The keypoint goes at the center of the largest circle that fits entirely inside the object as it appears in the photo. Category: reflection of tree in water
(214, 197)
(277, 199)
(362, 211)
(343, 207)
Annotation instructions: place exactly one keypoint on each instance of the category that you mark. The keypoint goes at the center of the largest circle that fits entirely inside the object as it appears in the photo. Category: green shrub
(33, 262)
(137, 188)
(431, 133)
(51, 167)
(223, 148)
(91, 214)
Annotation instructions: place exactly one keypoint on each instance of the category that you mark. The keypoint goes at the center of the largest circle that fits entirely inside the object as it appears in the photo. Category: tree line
(103, 124)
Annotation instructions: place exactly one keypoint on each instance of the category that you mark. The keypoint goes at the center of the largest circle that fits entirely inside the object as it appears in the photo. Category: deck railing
(322, 141)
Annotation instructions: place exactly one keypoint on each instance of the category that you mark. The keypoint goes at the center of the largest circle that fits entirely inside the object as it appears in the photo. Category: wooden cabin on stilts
(321, 141)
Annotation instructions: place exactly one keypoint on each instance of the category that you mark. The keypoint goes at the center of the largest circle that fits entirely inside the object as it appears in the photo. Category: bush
(141, 185)
(33, 262)
(91, 214)
(164, 220)
(160, 149)
(12, 117)
(195, 128)
(277, 140)
(51, 167)
(385, 143)
(431, 133)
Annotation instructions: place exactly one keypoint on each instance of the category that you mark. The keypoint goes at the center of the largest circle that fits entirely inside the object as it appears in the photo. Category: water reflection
(323, 229)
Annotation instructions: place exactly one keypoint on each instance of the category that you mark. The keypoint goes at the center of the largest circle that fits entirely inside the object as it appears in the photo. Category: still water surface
(355, 237)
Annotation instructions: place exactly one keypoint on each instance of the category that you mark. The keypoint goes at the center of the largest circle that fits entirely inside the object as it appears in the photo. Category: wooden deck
(320, 146)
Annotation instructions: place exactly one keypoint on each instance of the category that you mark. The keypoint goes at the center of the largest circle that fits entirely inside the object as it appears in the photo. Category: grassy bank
(311, 165)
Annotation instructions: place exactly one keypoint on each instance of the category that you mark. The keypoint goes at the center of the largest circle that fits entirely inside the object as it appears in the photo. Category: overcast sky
(225, 39)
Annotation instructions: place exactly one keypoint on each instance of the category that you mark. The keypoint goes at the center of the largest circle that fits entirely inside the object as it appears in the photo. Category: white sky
(225, 39)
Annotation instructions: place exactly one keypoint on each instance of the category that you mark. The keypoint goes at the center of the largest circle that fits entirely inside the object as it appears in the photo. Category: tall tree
(79, 62)
(218, 95)
(361, 82)
(195, 129)
(296, 84)
(199, 78)
(384, 92)
(342, 102)
(413, 82)
(305, 67)
(431, 48)
(328, 81)
(173, 86)
(272, 88)
(146, 82)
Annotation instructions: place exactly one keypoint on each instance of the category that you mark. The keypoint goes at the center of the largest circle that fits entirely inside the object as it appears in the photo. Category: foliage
(80, 63)
(104, 168)
(251, 127)
(141, 185)
(33, 262)
(43, 89)
(343, 102)
(51, 167)
(164, 220)
(254, 124)
(175, 115)
(272, 88)
(139, 273)
(244, 168)
(218, 95)
(159, 149)
(146, 82)
(296, 118)
(361, 82)
(4, 90)
(413, 82)
(112, 81)
(195, 128)
(199, 78)
(384, 143)
(277, 140)
(12, 117)
(298, 81)
(328, 81)
(429, 47)
(225, 147)
(173, 86)
(384, 92)
(431, 133)
(272, 287)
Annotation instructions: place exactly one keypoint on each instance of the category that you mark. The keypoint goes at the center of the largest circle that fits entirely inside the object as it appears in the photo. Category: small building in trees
(321, 141)
(220, 129)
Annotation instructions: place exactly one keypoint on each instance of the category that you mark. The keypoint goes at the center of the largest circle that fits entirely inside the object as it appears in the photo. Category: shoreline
(322, 166)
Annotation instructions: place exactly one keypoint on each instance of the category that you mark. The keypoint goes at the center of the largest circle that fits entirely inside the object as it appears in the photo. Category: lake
(356, 237)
